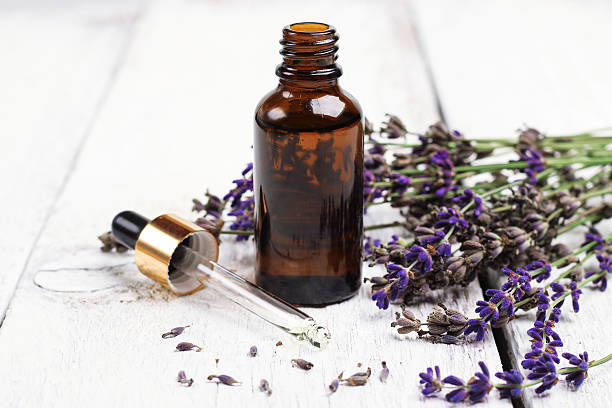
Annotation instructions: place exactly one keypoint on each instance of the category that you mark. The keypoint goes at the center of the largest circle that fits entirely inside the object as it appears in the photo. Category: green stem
(565, 186)
(570, 270)
(381, 226)
(231, 232)
(595, 193)
(554, 214)
(579, 222)
(561, 162)
(502, 209)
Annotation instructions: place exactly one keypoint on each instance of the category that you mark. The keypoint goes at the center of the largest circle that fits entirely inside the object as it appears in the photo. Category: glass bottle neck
(308, 83)
(309, 55)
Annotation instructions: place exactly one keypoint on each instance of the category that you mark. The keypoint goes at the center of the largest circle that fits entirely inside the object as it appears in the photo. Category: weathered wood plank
(178, 119)
(498, 65)
(56, 69)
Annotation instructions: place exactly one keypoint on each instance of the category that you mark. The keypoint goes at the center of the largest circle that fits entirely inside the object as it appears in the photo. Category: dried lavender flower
(109, 243)
(333, 387)
(186, 346)
(384, 373)
(174, 332)
(303, 364)
(264, 386)
(358, 379)
(253, 351)
(224, 379)
(182, 379)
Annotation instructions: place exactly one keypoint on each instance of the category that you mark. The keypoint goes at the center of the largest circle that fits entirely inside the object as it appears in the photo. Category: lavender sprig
(480, 385)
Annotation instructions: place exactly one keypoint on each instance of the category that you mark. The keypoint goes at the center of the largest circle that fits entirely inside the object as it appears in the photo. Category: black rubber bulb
(127, 226)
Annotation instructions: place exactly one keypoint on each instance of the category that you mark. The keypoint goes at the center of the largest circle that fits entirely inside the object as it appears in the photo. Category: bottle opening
(309, 52)
(309, 27)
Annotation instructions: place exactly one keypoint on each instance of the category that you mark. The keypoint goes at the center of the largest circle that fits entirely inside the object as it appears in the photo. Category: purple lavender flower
(487, 311)
(449, 217)
(398, 280)
(399, 183)
(535, 163)
(519, 281)
(591, 237)
(430, 383)
(543, 269)
(427, 238)
(242, 204)
(459, 393)
(422, 258)
(444, 249)
(476, 326)
(247, 169)
(381, 298)
(560, 290)
(544, 369)
(581, 362)
(605, 264)
(499, 301)
(542, 303)
(466, 198)
(444, 168)
(369, 244)
(480, 384)
(512, 378)
(502, 300)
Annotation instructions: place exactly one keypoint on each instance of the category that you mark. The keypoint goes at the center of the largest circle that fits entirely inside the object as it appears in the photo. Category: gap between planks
(132, 18)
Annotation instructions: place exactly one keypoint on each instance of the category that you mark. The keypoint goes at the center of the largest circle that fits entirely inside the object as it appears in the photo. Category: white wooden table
(106, 106)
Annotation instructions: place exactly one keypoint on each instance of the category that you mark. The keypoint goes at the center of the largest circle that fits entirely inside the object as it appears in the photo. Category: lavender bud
(253, 351)
(333, 387)
(379, 280)
(182, 379)
(408, 314)
(358, 379)
(363, 374)
(458, 320)
(454, 263)
(174, 332)
(264, 386)
(185, 346)
(437, 317)
(475, 258)
(224, 379)
(471, 246)
(405, 330)
(560, 250)
(577, 274)
(424, 231)
(449, 339)
(303, 364)
(384, 373)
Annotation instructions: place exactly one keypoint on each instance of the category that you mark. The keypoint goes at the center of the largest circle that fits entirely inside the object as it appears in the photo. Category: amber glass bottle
(309, 175)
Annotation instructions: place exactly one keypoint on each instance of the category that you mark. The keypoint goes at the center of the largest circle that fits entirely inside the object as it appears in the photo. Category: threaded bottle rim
(309, 52)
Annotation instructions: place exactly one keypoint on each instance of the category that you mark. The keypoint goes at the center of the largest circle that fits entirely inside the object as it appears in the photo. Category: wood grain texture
(177, 119)
(55, 71)
(498, 65)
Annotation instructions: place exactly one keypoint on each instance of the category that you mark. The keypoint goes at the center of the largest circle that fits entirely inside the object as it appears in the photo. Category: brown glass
(308, 175)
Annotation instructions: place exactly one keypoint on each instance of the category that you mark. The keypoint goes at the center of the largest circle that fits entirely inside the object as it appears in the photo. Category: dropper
(183, 257)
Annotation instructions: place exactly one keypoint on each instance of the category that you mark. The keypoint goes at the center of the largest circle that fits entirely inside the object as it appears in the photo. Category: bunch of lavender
(495, 224)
